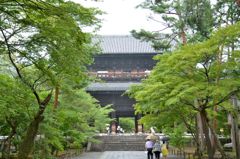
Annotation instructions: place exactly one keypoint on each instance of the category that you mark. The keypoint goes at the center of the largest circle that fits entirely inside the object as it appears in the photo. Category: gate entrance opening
(126, 125)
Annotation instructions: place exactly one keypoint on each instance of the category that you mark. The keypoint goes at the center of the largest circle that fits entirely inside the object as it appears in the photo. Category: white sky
(122, 16)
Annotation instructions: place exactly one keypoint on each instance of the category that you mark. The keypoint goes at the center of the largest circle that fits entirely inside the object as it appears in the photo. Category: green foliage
(190, 79)
(227, 12)
(78, 118)
(53, 45)
(127, 124)
(190, 19)
(43, 46)
(176, 135)
(199, 17)
(193, 19)
(16, 109)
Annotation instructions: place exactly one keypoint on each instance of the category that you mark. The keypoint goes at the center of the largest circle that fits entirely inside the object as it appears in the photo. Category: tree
(190, 21)
(183, 20)
(227, 13)
(127, 124)
(44, 43)
(15, 110)
(193, 79)
(77, 118)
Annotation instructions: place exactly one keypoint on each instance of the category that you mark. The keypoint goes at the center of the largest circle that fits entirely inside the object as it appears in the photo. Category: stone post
(138, 125)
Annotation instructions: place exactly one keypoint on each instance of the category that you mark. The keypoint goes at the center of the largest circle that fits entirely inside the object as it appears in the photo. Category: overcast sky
(122, 16)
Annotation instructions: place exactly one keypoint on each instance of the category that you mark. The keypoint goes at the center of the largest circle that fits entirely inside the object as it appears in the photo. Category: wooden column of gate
(138, 125)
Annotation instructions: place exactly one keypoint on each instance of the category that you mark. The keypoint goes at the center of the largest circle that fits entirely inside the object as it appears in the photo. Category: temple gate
(124, 61)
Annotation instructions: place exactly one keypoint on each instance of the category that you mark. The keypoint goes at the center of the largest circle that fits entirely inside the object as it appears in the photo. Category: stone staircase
(118, 143)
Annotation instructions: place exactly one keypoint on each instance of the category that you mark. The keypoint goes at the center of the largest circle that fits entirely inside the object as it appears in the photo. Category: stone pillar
(138, 125)
(140, 128)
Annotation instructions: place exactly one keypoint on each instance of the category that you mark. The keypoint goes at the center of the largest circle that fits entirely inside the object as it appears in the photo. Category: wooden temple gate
(124, 61)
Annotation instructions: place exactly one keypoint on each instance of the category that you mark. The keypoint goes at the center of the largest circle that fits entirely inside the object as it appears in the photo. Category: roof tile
(123, 44)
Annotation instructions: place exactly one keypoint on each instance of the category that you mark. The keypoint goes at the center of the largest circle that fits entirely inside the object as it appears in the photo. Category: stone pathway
(117, 155)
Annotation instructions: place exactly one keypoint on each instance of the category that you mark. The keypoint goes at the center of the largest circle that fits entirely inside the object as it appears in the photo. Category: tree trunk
(7, 142)
(215, 122)
(217, 141)
(210, 148)
(6, 148)
(26, 147)
(184, 38)
(201, 134)
(56, 97)
(234, 129)
(199, 137)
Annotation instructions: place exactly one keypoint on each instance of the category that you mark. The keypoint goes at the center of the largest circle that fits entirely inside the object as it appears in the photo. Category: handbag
(155, 149)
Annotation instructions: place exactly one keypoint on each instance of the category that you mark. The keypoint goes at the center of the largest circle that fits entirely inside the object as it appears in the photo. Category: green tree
(227, 12)
(183, 20)
(177, 138)
(77, 118)
(127, 124)
(44, 43)
(16, 104)
(193, 79)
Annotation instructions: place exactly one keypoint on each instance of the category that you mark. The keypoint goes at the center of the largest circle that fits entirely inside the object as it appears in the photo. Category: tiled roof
(110, 86)
(123, 44)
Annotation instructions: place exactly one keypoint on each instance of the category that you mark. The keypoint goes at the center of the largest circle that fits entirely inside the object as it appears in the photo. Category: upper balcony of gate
(123, 58)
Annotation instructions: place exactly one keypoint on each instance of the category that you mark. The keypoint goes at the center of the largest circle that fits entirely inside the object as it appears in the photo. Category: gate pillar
(138, 125)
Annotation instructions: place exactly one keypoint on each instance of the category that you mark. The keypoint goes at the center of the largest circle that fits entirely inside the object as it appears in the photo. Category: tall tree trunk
(213, 128)
(210, 148)
(199, 137)
(201, 133)
(217, 141)
(234, 129)
(26, 147)
(183, 36)
(56, 97)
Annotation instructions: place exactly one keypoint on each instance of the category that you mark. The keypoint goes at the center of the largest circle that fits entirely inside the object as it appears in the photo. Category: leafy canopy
(195, 77)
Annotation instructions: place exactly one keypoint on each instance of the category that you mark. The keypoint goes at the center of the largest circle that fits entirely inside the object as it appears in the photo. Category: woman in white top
(157, 149)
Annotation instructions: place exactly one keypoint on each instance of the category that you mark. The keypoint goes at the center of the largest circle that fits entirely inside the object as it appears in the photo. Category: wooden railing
(190, 153)
(120, 74)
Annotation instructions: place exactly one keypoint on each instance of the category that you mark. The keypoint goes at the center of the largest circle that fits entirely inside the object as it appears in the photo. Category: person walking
(149, 147)
(164, 150)
(157, 149)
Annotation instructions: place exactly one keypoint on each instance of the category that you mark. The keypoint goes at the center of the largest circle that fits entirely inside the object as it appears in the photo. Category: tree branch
(226, 97)
(189, 104)
(17, 69)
